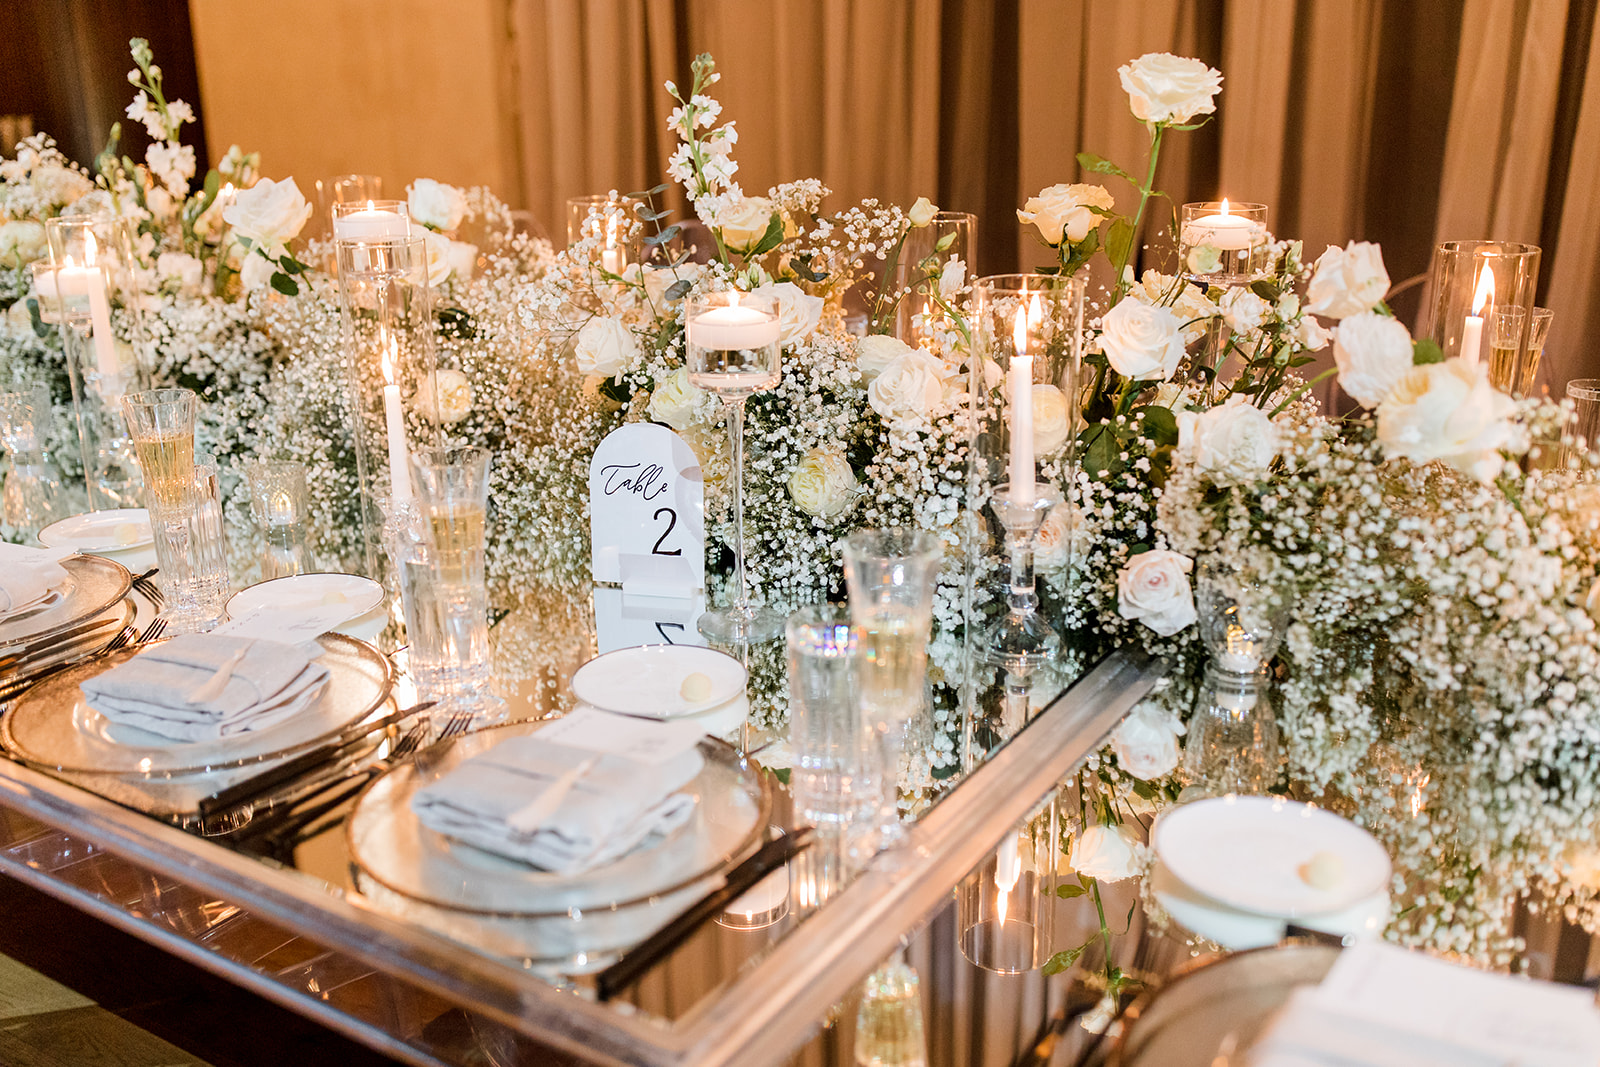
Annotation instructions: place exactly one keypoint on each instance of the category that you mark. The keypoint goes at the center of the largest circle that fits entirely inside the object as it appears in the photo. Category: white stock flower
(921, 213)
(1347, 281)
(823, 484)
(1162, 87)
(1146, 743)
(181, 267)
(1243, 310)
(22, 242)
(436, 205)
(674, 401)
(1373, 352)
(744, 222)
(1233, 443)
(605, 347)
(875, 352)
(798, 313)
(454, 400)
(1106, 853)
(1050, 421)
(269, 213)
(1142, 342)
(1448, 411)
(1153, 588)
(172, 165)
(910, 387)
(1063, 211)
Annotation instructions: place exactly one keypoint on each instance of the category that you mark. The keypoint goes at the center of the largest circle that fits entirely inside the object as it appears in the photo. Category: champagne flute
(733, 351)
(161, 424)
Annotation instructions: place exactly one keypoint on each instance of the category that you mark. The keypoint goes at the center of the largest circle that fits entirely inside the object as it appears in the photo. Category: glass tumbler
(442, 586)
(280, 506)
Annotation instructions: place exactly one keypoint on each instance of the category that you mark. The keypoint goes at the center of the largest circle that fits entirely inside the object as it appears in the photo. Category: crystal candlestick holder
(1020, 640)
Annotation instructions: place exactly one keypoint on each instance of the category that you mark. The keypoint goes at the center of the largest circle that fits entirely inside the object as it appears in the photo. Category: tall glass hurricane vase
(733, 351)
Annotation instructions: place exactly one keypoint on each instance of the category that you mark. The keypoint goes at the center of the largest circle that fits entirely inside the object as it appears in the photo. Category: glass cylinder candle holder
(733, 351)
(92, 293)
(386, 308)
(611, 222)
(371, 221)
(1223, 244)
(1468, 282)
(1006, 907)
(932, 273)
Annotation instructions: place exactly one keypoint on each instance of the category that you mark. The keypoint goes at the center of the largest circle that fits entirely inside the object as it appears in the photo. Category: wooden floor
(77, 993)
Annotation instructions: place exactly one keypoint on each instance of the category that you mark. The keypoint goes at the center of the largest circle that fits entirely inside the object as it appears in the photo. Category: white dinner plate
(101, 533)
(648, 680)
(1250, 852)
(1236, 930)
(362, 595)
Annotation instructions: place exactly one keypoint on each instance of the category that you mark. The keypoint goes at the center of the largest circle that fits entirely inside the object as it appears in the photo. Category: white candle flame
(1007, 871)
(89, 248)
(391, 353)
(1484, 294)
(1224, 210)
(1019, 333)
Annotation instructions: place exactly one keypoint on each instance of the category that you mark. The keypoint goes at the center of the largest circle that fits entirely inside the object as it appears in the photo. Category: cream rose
(823, 484)
(1142, 342)
(22, 242)
(269, 213)
(875, 352)
(256, 272)
(921, 213)
(1052, 542)
(1146, 743)
(1347, 281)
(1233, 443)
(462, 257)
(436, 205)
(437, 251)
(1373, 352)
(798, 313)
(1106, 853)
(675, 401)
(1162, 87)
(1448, 411)
(605, 347)
(1153, 588)
(1063, 211)
(1049, 419)
(454, 401)
(910, 387)
(744, 222)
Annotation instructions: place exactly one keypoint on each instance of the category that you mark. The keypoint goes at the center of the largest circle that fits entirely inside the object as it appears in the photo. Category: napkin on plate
(608, 812)
(155, 690)
(27, 574)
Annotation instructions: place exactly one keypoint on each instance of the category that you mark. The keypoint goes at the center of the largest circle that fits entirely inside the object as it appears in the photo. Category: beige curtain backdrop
(1405, 123)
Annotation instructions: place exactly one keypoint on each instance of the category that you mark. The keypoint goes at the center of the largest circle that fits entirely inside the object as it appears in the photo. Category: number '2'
(672, 522)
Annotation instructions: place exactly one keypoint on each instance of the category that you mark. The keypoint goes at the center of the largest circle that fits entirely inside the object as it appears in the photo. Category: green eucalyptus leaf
(663, 237)
(677, 290)
(1102, 451)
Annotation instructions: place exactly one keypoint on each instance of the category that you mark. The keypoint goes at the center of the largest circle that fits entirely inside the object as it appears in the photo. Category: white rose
(1188, 302)
(455, 397)
(798, 313)
(256, 272)
(1051, 543)
(181, 267)
(675, 401)
(437, 251)
(1166, 88)
(910, 387)
(1106, 853)
(744, 222)
(21, 242)
(922, 212)
(605, 347)
(434, 204)
(1373, 352)
(462, 257)
(1063, 210)
(1347, 281)
(1243, 310)
(823, 484)
(1233, 443)
(1142, 342)
(269, 213)
(1049, 419)
(1146, 743)
(1153, 588)
(1448, 411)
(876, 352)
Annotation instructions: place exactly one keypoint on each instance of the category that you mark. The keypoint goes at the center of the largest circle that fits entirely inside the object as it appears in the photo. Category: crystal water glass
(1244, 612)
(733, 351)
(281, 507)
(161, 425)
(891, 575)
(442, 585)
(200, 601)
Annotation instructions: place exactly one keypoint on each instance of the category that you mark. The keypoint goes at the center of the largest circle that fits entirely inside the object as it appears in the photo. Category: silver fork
(123, 638)
(147, 588)
(456, 725)
(157, 627)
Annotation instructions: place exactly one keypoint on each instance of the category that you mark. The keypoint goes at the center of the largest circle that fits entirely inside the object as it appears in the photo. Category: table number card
(647, 513)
